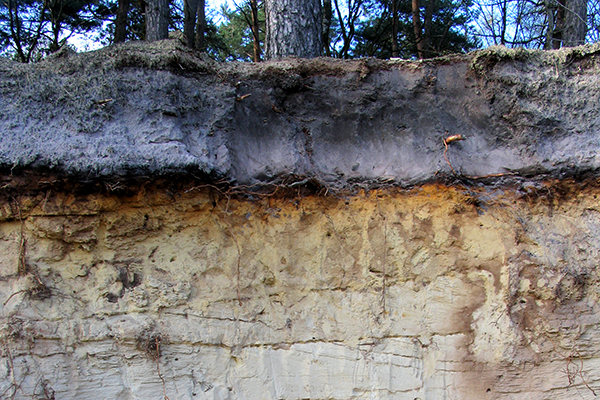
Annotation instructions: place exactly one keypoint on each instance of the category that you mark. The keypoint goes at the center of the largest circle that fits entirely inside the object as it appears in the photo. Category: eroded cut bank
(196, 291)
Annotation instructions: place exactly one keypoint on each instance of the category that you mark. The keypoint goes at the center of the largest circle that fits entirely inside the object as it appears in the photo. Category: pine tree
(157, 20)
(293, 28)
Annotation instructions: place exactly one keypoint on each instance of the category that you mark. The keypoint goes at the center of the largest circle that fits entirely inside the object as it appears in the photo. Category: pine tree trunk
(426, 38)
(142, 6)
(157, 20)
(190, 9)
(200, 43)
(293, 28)
(395, 52)
(255, 30)
(416, 19)
(575, 27)
(121, 21)
(327, 17)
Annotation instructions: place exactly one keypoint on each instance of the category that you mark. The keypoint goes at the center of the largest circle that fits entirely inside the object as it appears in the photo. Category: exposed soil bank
(174, 227)
(157, 109)
(438, 292)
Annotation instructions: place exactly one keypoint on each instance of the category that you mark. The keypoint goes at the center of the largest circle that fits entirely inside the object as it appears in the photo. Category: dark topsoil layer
(139, 111)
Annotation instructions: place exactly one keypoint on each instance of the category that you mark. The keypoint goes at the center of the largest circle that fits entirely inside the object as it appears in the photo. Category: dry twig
(240, 98)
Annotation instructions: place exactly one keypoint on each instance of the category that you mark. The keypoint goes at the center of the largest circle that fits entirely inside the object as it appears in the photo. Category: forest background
(235, 29)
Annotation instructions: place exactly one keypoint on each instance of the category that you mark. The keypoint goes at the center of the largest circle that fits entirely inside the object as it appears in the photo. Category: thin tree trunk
(503, 28)
(327, 17)
(293, 28)
(550, 27)
(440, 44)
(15, 29)
(142, 6)
(56, 10)
(157, 20)
(575, 27)
(190, 9)
(557, 35)
(38, 33)
(255, 29)
(395, 51)
(426, 39)
(54, 44)
(347, 29)
(121, 21)
(416, 17)
(200, 43)
(342, 28)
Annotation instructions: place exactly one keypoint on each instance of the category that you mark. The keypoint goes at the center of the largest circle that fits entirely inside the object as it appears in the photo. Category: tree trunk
(395, 52)
(255, 29)
(121, 21)
(426, 38)
(15, 29)
(293, 28)
(559, 23)
(416, 17)
(348, 27)
(327, 17)
(157, 20)
(55, 42)
(200, 26)
(550, 29)
(190, 9)
(503, 27)
(56, 16)
(575, 27)
(142, 6)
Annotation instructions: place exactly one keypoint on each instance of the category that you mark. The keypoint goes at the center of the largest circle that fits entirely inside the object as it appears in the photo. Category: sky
(215, 5)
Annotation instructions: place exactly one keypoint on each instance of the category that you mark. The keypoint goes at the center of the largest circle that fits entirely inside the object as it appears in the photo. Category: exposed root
(229, 231)
(15, 386)
(265, 189)
(14, 294)
(152, 346)
(239, 262)
(47, 391)
(574, 365)
(384, 272)
(447, 141)
(157, 341)
(455, 138)
(21, 264)
(574, 369)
